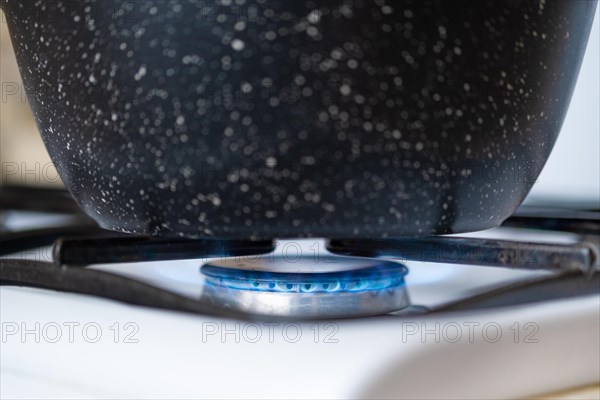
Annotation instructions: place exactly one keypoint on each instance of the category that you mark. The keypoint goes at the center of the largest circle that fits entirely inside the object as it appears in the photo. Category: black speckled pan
(278, 118)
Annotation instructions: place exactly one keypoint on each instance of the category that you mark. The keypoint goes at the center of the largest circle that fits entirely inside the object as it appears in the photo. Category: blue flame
(381, 276)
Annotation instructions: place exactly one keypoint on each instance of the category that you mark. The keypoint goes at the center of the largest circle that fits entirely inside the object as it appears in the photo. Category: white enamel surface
(176, 355)
(370, 360)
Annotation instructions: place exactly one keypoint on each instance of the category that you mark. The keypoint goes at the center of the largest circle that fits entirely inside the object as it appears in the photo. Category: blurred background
(571, 176)
(23, 157)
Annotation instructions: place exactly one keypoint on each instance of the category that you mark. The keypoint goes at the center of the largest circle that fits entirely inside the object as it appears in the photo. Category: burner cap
(377, 288)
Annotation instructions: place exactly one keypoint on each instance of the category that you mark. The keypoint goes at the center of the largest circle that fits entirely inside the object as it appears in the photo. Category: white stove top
(66, 345)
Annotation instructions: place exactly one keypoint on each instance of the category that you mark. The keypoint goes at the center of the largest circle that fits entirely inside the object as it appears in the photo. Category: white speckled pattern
(273, 118)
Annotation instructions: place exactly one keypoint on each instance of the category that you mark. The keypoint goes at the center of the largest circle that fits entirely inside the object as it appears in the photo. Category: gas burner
(362, 277)
(367, 287)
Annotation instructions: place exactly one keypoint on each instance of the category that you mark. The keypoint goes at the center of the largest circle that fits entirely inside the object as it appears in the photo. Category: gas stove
(308, 279)
(486, 293)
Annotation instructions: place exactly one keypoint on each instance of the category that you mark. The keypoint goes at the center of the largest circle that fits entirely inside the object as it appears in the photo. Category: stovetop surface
(509, 351)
